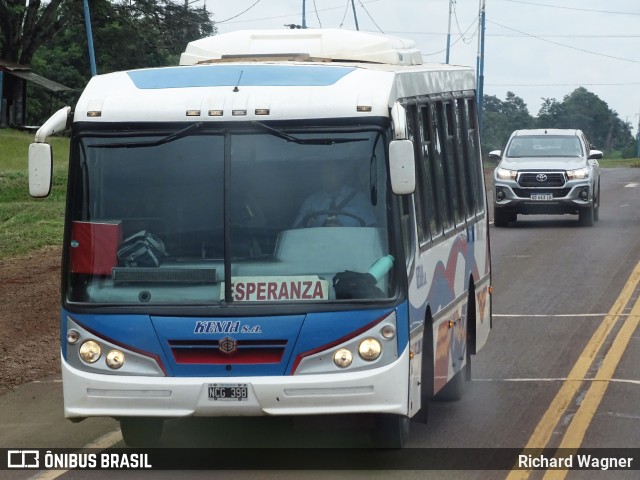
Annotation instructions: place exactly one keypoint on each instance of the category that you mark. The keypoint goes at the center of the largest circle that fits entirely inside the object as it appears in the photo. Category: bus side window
(405, 225)
(439, 158)
(474, 154)
(450, 163)
(421, 204)
(427, 169)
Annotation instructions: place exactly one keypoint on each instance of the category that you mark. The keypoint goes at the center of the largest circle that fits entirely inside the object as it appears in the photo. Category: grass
(26, 223)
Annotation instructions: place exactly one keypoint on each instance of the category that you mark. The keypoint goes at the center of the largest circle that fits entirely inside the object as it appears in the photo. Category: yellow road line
(582, 419)
(563, 398)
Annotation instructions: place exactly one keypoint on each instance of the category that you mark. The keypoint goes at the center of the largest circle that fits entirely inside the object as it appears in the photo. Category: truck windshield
(229, 216)
(545, 146)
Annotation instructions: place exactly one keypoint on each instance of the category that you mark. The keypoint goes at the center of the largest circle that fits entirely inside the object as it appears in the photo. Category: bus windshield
(198, 216)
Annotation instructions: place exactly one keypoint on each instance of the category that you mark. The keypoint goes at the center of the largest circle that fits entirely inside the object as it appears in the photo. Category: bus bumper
(378, 390)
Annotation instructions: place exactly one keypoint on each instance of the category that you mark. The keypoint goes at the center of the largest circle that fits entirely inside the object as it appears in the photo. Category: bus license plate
(234, 392)
(541, 196)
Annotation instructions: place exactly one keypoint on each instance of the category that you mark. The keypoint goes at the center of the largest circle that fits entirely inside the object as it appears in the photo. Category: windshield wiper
(308, 141)
(152, 143)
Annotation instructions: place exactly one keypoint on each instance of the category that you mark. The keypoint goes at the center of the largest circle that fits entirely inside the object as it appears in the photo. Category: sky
(536, 49)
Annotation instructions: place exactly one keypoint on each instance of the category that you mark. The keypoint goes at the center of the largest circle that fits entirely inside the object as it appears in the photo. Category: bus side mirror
(402, 167)
(40, 169)
(40, 155)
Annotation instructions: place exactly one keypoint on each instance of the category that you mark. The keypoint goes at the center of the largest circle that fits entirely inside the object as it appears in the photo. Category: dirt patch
(29, 317)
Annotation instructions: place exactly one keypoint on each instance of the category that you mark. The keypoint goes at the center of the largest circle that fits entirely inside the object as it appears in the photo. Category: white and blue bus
(199, 278)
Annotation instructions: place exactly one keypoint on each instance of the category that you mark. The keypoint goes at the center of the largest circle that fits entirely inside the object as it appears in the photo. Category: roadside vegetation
(28, 224)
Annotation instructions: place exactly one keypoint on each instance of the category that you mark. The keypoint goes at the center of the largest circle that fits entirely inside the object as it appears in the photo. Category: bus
(192, 284)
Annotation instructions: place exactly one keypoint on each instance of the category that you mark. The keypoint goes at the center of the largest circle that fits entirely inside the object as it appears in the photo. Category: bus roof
(281, 86)
(325, 44)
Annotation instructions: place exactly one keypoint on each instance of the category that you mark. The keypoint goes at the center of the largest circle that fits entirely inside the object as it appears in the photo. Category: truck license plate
(234, 392)
(541, 196)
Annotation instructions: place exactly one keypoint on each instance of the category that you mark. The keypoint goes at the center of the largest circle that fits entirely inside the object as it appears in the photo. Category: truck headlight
(578, 174)
(504, 174)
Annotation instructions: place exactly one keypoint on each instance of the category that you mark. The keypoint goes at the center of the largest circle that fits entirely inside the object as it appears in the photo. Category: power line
(543, 35)
(461, 37)
(292, 14)
(565, 46)
(370, 17)
(315, 7)
(455, 15)
(573, 8)
(561, 84)
(241, 13)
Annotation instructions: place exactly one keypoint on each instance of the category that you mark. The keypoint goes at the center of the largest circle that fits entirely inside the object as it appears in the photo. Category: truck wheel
(586, 217)
(596, 211)
(500, 218)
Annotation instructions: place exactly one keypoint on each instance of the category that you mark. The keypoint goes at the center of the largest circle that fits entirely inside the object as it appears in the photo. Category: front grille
(208, 352)
(526, 193)
(541, 179)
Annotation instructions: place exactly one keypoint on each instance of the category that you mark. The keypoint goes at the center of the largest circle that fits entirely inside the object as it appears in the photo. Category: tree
(500, 119)
(25, 25)
(549, 114)
(585, 111)
(127, 34)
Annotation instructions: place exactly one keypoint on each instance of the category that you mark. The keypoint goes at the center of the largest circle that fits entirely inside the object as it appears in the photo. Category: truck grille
(526, 193)
(541, 179)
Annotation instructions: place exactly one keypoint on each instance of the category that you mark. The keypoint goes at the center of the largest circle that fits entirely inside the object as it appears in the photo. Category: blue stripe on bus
(240, 75)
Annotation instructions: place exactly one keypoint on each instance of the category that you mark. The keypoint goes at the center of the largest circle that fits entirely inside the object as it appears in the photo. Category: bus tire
(391, 431)
(141, 431)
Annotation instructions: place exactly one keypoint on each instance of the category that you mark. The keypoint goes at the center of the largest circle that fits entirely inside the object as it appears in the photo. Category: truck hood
(546, 163)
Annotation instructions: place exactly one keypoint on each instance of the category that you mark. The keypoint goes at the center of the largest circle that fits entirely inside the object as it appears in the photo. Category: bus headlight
(369, 349)
(115, 359)
(388, 332)
(342, 358)
(73, 336)
(90, 351)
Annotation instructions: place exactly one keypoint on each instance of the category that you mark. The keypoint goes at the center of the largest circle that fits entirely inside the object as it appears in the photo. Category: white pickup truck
(546, 171)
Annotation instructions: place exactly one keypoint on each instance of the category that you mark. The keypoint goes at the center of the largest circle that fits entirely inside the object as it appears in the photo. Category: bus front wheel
(141, 432)
(391, 431)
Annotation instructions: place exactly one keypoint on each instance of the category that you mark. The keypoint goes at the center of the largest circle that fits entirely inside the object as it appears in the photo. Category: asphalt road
(559, 369)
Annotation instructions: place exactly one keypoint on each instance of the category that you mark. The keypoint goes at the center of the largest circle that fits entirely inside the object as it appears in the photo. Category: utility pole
(87, 23)
(480, 65)
(304, 14)
(449, 30)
